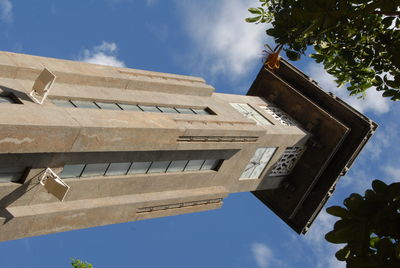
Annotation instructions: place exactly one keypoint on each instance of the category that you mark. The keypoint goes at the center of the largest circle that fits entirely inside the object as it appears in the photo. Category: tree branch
(397, 14)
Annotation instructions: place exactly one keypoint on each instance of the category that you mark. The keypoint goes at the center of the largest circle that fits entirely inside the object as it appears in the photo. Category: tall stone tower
(84, 145)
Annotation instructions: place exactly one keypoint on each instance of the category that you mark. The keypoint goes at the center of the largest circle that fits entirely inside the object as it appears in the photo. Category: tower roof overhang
(338, 133)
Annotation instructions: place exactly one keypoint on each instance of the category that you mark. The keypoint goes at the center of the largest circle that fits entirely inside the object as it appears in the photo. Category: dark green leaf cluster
(357, 41)
(370, 227)
(80, 264)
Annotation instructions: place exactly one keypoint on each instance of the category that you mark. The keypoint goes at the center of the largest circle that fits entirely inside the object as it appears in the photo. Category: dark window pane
(84, 104)
(194, 165)
(177, 166)
(72, 171)
(210, 164)
(11, 174)
(10, 177)
(139, 167)
(152, 109)
(168, 110)
(129, 107)
(159, 167)
(118, 169)
(92, 170)
(63, 103)
(108, 106)
(184, 111)
(6, 99)
(200, 111)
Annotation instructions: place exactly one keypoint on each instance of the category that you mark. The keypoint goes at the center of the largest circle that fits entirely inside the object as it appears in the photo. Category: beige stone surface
(40, 136)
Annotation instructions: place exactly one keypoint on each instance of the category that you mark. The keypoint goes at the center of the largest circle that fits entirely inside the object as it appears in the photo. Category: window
(92, 170)
(184, 110)
(200, 111)
(6, 99)
(279, 115)
(258, 162)
(159, 167)
(211, 164)
(250, 113)
(12, 174)
(146, 108)
(168, 110)
(194, 165)
(64, 103)
(177, 166)
(108, 106)
(127, 107)
(131, 168)
(118, 169)
(72, 171)
(84, 104)
(139, 167)
(287, 161)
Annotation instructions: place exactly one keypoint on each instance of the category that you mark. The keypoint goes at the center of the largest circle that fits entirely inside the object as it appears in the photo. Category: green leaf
(394, 190)
(318, 57)
(338, 211)
(378, 80)
(353, 202)
(379, 186)
(389, 93)
(393, 84)
(373, 241)
(341, 235)
(385, 248)
(343, 254)
(388, 21)
(254, 19)
(397, 251)
(271, 32)
(293, 55)
(255, 11)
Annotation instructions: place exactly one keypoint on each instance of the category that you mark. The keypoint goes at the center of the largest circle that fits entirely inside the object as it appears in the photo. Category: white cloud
(373, 102)
(324, 250)
(223, 41)
(393, 173)
(104, 54)
(150, 3)
(322, 225)
(160, 31)
(262, 254)
(6, 10)
(382, 140)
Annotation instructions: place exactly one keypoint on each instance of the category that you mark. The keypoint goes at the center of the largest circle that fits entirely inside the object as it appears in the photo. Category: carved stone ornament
(287, 161)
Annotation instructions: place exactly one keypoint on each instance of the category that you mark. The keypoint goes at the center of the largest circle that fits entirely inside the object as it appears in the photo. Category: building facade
(134, 145)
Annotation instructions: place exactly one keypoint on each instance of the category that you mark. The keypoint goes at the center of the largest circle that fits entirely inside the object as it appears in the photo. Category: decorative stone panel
(287, 161)
(280, 116)
(249, 112)
(179, 205)
(217, 139)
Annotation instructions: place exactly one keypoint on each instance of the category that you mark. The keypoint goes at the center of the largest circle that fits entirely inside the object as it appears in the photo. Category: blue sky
(203, 38)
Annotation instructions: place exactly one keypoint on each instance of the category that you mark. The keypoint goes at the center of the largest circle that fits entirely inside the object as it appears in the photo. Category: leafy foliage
(370, 227)
(357, 41)
(80, 264)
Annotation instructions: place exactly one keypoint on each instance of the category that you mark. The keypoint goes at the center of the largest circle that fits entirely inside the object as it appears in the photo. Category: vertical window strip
(97, 105)
(148, 168)
(129, 107)
(129, 168)
(89, 170)
(73, 104)
(6, 99)
(249, 112)
(258, 162)
(12, 174)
